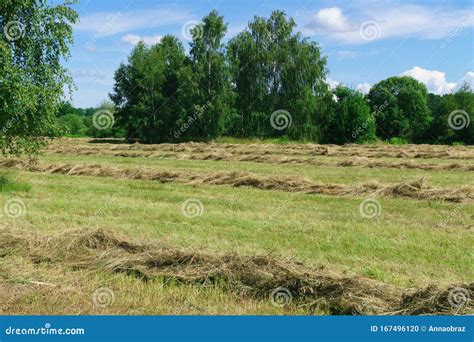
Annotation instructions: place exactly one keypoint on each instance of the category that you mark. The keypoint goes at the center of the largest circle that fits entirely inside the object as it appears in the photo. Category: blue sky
(365, 41)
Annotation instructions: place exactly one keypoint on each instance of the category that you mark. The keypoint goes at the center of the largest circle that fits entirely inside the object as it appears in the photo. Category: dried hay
(253, 276)
(417, 189)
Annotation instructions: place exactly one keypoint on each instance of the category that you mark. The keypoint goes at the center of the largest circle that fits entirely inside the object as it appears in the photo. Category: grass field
(238, 228)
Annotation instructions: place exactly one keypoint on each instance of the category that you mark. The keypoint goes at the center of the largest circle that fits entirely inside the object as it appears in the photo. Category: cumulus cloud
(434, 80)
(364, 87)
(468, 78)
(391, 21)
(329, 20)
(134, 39)
(332, 84)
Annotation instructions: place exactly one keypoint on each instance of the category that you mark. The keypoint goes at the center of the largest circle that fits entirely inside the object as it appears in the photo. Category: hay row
(270, 159)
(411, 148)
(417, 189)
(368, 151)
(252, 276)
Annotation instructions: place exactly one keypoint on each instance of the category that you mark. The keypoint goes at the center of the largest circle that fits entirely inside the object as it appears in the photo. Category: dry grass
(251, 276)
(257, 150)
(262, 157)
(417, 189)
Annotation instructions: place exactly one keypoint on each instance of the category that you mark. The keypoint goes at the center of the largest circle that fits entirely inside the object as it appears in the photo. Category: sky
(365, 41)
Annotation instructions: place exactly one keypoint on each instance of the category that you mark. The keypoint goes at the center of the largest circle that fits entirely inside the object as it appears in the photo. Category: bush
(397, 141)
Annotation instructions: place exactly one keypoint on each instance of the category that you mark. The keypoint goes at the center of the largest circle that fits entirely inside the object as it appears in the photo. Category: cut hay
(252, 276)
(267, 157)
(417, 189)
(304, 150)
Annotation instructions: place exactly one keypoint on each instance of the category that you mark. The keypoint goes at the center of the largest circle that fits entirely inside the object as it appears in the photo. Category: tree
(273, 70)
(406, 114)
(34, 39)
(73, 125)
(211, 90)
(350, 120)
(147, 91)
(453, 116)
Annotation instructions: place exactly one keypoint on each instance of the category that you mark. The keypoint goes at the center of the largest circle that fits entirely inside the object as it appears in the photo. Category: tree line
(267, 82)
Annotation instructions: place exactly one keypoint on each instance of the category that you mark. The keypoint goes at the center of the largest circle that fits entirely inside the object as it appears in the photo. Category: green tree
(101, 124)
(211, 89)
(351, 120)
(147, 91)
(73, 125)
(406, 114)
(453, 116)
(275, 69)
(34, 40)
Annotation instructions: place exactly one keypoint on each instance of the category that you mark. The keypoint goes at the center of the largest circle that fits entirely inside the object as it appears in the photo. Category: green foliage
(453, 117)
(9, 184)
(406, 113)
(147, 91)
(276, 69)
(73, 125)
(34, 40)
(350, 121)
(211, 88)
(268, 82)
(397, 141)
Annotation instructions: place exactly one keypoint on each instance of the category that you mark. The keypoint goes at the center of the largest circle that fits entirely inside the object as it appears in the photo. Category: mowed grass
(409, 244)
(326, 174)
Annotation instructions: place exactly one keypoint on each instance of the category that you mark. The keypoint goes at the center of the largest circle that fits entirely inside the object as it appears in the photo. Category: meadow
(237, 227)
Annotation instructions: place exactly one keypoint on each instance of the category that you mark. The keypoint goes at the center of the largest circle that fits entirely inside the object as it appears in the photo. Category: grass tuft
(8, 183)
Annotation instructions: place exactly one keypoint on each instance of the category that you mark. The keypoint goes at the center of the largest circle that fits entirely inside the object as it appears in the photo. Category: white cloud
(135, 39)
(87, 74)
(364, 87)
(109, 23)
(329, 20)
(468, 78)
(332, 84)
(434, 80)
(391, 21)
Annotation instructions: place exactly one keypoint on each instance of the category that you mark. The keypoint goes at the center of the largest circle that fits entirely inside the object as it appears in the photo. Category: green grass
(409, 244)
(405, 245)
(327, 174)
(8, 184)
